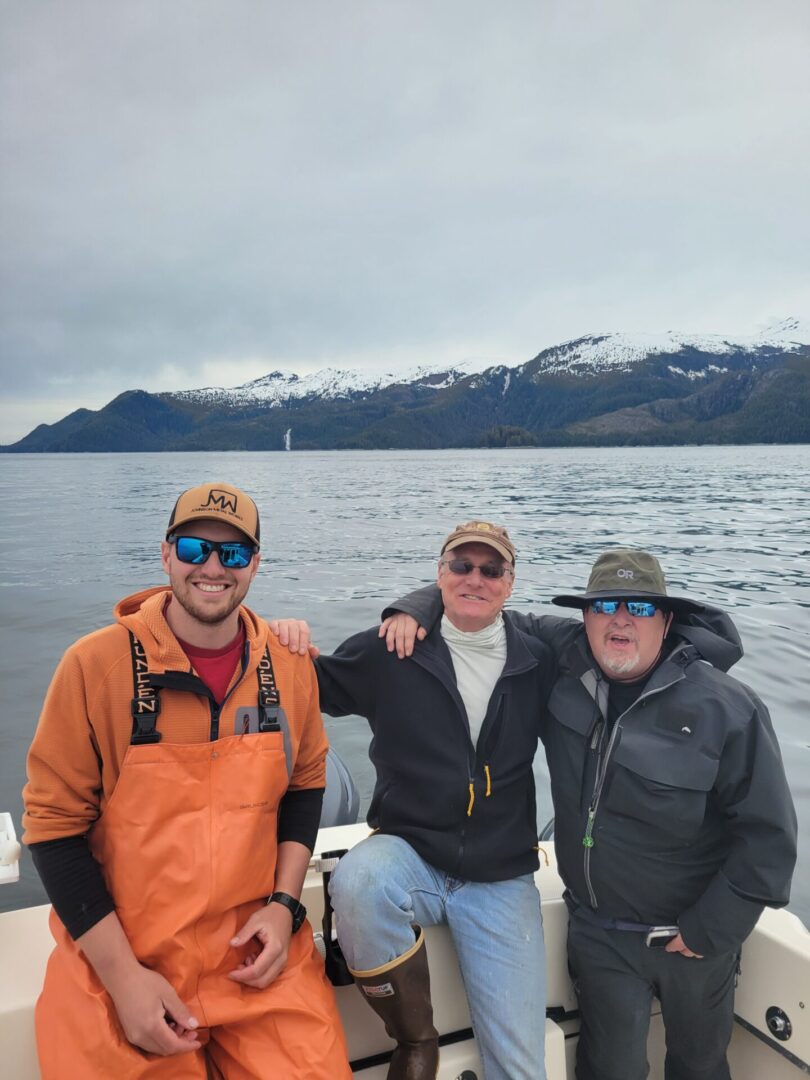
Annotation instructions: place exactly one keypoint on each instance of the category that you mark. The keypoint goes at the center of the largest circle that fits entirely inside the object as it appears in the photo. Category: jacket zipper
(472, 760)
(471, 757)
(471, 789)
(601, 771)
(216, 710)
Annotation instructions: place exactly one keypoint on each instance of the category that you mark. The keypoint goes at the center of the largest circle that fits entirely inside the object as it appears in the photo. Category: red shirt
(216, 666)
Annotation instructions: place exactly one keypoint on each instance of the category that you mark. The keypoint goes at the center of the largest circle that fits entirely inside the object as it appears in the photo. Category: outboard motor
(341, 800)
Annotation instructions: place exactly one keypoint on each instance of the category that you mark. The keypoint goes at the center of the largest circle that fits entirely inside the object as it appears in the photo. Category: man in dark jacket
(674, 825)
(454, 736)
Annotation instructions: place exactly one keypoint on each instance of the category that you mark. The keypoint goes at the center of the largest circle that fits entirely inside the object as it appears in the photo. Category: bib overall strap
(271, 716)
(269, 700)
(145, 706)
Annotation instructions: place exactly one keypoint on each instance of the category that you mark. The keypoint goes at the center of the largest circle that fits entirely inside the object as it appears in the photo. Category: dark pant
(616, 977)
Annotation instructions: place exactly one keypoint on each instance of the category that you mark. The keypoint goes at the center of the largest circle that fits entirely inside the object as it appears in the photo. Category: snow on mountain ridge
(595, 353)
(792, 330)
(329, 383)
(590, 354)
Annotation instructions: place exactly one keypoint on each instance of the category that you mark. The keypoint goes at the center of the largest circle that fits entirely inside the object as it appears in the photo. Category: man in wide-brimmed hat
(674, 826)
(626, 636)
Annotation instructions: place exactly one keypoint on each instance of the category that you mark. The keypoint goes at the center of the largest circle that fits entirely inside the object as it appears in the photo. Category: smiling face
(472, 601)
(205, 597)
(624, 646)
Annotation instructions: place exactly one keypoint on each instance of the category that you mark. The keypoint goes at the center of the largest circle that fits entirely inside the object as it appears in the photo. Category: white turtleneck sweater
(478, 660)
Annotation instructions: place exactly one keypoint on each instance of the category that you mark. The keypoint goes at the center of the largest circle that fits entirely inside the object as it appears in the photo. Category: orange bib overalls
(187, 843)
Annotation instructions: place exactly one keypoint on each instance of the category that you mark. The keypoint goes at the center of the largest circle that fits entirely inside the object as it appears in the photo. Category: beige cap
(481, 532)
(217, 502)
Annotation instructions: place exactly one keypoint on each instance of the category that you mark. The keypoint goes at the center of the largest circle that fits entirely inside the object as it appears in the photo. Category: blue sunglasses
(232, 554)
(639, 609)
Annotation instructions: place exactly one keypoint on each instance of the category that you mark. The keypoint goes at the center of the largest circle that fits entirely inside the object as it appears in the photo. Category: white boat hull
(775, 974)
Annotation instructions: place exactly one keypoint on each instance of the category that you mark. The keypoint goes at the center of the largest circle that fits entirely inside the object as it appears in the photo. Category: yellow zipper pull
(472, 799)
(489, 781)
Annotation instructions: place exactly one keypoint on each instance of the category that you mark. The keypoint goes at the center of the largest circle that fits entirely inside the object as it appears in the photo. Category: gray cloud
(203, 191)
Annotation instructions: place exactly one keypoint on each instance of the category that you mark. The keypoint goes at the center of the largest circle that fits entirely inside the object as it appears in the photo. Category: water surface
(344, 533)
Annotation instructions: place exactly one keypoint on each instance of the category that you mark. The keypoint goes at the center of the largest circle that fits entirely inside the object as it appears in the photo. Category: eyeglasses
(639, 609)
(233, 554)
(488, 569)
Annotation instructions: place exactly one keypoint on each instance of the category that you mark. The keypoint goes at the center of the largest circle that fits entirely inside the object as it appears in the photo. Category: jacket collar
(519, 657)
(579, 661)
(143, 614)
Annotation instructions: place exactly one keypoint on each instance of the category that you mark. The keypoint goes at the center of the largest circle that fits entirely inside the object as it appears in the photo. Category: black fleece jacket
(469, 811)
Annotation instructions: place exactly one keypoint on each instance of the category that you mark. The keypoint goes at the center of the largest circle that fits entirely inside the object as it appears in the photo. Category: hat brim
(190, 518)
(672, 603)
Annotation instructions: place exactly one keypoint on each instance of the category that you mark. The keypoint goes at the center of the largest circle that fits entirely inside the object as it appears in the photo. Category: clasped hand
(267, 934)
(152, 1015)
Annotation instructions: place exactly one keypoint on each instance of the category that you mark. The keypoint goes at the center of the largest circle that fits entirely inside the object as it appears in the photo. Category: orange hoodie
(85, 727)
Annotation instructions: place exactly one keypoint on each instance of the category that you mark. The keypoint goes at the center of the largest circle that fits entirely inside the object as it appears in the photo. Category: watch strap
(295, 908)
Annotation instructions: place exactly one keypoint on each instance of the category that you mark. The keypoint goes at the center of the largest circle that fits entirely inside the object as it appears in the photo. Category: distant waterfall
(287, 435)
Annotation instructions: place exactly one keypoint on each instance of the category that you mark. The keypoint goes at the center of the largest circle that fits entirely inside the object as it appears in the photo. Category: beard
(618, 665)
(187, 600)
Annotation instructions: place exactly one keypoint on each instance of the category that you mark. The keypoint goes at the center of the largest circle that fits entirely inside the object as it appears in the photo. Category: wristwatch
(295, 908)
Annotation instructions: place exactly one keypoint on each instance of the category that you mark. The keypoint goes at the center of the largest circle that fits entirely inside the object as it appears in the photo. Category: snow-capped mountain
(591, 354)
(329, 384)
(598, 389)
(595, 353)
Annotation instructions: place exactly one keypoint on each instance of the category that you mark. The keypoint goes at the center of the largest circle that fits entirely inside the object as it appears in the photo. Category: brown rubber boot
(399, 993)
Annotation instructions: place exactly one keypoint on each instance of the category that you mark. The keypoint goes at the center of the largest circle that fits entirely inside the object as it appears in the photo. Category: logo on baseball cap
(216, 502)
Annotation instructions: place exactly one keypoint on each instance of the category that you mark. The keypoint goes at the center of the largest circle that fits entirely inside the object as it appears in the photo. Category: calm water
(346, 532)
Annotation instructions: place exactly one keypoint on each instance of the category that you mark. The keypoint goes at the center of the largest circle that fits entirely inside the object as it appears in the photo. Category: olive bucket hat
(627, 574)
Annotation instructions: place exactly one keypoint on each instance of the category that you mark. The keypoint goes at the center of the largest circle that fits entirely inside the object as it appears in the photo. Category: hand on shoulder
(295, 634)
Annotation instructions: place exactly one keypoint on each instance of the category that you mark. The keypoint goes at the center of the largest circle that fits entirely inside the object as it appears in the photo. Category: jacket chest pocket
(660, 785)
(570, 706)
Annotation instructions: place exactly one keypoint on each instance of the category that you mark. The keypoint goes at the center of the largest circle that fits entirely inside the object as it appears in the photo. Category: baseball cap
(217, 502)
(481, 532)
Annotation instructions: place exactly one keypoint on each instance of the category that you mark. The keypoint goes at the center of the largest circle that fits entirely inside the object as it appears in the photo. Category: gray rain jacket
(680, 815)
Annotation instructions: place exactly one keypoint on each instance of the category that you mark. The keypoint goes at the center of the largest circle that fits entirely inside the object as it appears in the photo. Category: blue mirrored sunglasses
(232, 554)
(639, 609)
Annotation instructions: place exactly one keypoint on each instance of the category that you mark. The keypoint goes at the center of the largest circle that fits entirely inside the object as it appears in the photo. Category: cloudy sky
(197, 192)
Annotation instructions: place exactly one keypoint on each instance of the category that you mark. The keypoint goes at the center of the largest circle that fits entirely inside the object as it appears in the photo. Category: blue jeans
(382, 887)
